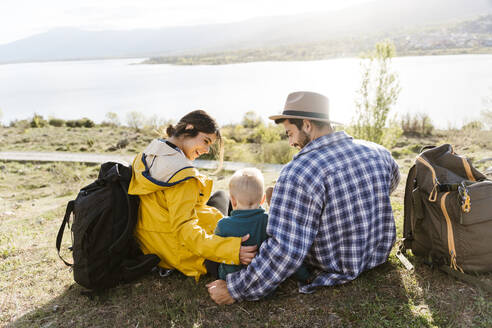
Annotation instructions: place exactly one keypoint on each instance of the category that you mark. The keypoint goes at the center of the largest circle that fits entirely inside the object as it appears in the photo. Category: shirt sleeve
(182, 200)
(395, 175)
(292, 226)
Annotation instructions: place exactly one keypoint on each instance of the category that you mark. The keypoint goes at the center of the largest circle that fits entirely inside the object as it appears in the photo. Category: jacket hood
(160, 166)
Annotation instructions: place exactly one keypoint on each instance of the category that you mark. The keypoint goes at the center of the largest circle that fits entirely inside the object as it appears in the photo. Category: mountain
(358, 21)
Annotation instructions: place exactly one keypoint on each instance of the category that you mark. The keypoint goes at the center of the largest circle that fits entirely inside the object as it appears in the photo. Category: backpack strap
(466, 278)
(123, 239)
(66, 219)
(408, 209)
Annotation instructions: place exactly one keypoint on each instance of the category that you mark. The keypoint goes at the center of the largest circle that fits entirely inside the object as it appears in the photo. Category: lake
(451, 89)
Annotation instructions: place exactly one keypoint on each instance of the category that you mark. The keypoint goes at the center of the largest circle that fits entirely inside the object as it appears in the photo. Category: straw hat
(306, 105)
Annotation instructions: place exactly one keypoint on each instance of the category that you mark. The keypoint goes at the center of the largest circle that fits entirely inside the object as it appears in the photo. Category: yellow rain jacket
(174, 221)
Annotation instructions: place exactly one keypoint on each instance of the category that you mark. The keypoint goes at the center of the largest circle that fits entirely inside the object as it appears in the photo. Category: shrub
(135, 120)
(57, 122)
(276, 152)
(38, 121)
(111, 119)
(23, 124)
(379, 91)
(473, 125)
(264, 134)
(251, 120)
(418, 124)
(83, 122)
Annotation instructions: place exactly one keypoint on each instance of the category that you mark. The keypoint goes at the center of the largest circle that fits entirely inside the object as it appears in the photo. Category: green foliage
(418, 124)
(90, 142)
(83, 122)
(112, 119)
(251, 120)
(263, 134)
(38, 121)
(473, 125)
(391, 134)
(22, 124)
(379, 91)
(135, 120)
(56, 122)
(237, 152)
(279, 152)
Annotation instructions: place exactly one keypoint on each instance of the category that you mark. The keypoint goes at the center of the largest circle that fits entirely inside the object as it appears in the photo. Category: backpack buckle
(465, 198)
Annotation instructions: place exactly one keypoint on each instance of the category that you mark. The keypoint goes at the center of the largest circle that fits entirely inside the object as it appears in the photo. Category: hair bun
(170, 131)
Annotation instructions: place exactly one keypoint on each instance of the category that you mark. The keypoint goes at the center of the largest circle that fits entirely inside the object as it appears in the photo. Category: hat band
(305, 114)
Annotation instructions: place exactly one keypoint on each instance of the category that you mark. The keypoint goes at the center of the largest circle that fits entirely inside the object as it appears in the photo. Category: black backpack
(104, 249)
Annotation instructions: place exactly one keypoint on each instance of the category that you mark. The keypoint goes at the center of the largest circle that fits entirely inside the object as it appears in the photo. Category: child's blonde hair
(246, 185)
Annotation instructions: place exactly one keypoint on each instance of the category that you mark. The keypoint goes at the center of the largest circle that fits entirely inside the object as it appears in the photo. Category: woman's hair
(246, 185)
(201, 122)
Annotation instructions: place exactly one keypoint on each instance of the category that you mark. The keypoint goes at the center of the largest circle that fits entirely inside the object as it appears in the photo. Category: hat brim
(276, 117)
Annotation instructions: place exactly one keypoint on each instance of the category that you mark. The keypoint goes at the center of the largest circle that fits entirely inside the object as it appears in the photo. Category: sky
(23, 18)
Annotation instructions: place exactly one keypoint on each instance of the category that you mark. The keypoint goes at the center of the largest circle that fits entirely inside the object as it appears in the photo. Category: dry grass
(37, 289)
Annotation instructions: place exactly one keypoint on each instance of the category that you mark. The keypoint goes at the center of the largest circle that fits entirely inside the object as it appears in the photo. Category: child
(247, 217)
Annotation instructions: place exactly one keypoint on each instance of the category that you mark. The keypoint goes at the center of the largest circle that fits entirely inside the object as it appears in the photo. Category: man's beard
(304, 139)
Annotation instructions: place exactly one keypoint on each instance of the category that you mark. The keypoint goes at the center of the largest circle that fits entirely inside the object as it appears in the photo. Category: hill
(356, 22)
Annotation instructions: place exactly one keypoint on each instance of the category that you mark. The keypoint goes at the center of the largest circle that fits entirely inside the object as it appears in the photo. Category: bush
(378, 92)
(135, 120)
(279, 152)
(251, 120)
(111, 119)
(57, 122)
(473, 125)
(23, 124)
(38, 121)
(83, 122)
(263, 134)
(418, 124)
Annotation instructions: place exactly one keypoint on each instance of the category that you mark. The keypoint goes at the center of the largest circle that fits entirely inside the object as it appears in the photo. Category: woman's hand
(247, 253)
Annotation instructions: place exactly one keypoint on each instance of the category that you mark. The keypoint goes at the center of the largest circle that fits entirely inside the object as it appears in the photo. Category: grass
(37, 289)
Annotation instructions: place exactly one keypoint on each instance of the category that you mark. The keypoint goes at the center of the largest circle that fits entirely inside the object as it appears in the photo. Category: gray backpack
(448, 212)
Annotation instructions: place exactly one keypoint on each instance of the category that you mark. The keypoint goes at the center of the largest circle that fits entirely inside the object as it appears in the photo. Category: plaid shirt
(330, 209)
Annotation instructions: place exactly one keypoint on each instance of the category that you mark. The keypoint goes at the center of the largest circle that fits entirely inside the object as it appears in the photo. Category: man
(330, 208)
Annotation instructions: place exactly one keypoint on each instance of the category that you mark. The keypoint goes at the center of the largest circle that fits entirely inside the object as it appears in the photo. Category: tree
(112, 119)
(251, 120)
(135, 120)
(378, 92)
(487, 112)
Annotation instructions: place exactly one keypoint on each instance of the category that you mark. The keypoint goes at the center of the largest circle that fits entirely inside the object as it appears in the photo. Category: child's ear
(263, 199)
(233, 201)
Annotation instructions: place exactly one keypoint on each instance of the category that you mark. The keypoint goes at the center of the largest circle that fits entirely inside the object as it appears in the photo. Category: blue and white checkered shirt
(330, 209)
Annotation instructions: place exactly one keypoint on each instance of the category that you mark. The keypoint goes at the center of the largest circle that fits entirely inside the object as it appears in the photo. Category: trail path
(101, 158)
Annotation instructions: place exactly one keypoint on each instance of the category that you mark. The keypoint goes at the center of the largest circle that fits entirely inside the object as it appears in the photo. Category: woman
(175, 221)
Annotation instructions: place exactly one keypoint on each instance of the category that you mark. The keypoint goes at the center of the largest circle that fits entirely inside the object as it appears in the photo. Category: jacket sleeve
(182, 200)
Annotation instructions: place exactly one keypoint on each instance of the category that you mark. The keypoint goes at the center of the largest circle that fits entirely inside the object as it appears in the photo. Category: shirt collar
(324, 141)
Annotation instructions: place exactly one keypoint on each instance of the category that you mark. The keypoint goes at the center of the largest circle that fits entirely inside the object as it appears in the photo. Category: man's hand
(247, 253)
(219, 293)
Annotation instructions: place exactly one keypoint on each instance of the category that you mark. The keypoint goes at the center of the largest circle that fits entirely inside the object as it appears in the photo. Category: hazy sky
(22, 18)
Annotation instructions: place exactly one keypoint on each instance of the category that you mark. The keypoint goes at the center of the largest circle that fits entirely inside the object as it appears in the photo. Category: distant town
(472, 36)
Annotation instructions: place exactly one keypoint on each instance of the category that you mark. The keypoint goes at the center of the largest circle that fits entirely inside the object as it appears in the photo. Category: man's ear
(307, 126)
(189, 127)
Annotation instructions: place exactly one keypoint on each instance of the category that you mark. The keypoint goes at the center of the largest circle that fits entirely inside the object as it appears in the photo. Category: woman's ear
(189, 127)
(263, 200)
